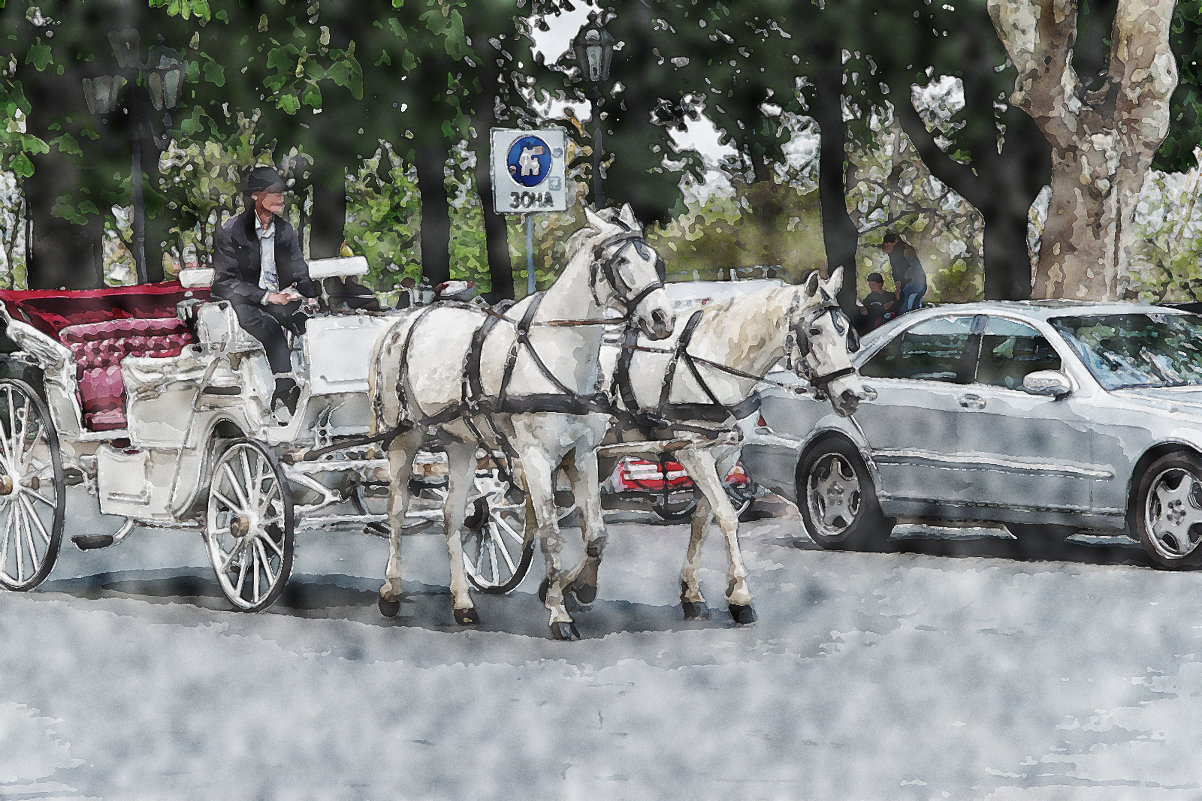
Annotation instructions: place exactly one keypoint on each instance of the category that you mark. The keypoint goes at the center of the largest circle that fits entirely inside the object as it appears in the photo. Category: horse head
(627, 273)
(822, 341)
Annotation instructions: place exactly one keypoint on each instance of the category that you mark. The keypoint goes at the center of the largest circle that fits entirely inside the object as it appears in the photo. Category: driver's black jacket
(236, 260)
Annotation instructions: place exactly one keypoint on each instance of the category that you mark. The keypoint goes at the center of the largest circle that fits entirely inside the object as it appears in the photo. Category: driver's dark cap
(261, 179)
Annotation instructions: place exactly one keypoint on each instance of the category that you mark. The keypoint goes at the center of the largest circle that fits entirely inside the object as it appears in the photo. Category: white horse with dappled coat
(524, 382)
(690, 388)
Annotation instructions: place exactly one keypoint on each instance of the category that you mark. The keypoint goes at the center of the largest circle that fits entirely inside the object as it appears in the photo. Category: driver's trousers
(266, 323)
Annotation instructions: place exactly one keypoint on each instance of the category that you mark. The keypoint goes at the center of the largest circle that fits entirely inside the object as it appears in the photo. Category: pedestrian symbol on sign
(529, 160)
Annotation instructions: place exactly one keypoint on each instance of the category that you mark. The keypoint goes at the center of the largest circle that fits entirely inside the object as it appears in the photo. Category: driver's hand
(279, 298)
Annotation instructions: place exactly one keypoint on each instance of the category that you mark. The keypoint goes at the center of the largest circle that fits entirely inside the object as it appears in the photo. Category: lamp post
(162, 79)
(594, 48)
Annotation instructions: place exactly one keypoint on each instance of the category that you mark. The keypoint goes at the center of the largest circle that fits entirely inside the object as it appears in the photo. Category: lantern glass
(101, 93)
(165, 80)
(594, 48)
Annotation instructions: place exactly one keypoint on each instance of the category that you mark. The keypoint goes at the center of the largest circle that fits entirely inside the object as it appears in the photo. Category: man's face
(876, 286)
(887, 247)
(269, 201)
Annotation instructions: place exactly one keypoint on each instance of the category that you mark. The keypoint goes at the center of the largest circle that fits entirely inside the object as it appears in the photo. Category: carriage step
(92, 542)
(219, 390)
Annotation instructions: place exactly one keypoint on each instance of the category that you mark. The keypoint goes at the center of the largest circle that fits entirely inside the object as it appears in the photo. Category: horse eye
(815, 331)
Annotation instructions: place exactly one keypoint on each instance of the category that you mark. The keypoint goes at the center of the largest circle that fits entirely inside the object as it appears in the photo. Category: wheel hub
(6, 485)
(240, 526)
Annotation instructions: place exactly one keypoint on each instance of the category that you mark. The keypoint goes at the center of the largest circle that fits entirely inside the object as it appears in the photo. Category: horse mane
(749, 322)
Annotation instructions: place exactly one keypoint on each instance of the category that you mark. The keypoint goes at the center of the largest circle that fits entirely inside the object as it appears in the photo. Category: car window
(933, 350)
(1137, 349)
(1011, 349)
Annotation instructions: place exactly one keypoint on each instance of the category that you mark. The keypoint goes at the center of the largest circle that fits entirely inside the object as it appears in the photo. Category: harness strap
(521, 338)
(682, 343)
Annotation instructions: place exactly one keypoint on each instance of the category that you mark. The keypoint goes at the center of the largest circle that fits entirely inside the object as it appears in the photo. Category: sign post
(528, 177)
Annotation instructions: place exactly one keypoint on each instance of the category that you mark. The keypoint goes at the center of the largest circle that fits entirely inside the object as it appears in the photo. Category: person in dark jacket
(259, 269)
(909, 279)
(877, 306)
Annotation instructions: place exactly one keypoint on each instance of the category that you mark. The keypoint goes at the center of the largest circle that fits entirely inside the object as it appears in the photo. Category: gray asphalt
(954, 665)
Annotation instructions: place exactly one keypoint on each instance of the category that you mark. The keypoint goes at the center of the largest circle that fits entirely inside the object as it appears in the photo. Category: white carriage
(156, 401)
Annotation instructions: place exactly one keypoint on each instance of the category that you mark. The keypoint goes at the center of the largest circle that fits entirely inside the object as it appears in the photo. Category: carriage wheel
(496, 551)
(32, 489)
(249, 525)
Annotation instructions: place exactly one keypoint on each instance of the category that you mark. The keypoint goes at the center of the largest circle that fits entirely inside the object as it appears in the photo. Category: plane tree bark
(1102, 139)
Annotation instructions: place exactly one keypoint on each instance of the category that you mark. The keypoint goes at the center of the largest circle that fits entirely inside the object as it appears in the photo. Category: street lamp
(594, 48)
(162, 77)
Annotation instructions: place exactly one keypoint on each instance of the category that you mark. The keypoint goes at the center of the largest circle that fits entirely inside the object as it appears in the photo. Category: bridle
(606, 268)
(800, 334)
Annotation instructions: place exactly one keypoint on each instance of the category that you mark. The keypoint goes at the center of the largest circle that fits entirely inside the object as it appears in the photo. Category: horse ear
(811, 284)
(627, 216)
(594, 219)
(835, 282)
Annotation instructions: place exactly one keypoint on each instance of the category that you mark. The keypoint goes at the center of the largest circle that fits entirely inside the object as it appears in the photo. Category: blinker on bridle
(608, 269)
(801, 333)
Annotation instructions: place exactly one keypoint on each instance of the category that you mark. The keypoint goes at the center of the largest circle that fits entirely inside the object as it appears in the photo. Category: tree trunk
(839, 233)
(432, 158)
(1102, 141)
(496, 233)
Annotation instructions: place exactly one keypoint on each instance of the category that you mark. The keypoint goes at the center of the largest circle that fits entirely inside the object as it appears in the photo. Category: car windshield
(1137, 350)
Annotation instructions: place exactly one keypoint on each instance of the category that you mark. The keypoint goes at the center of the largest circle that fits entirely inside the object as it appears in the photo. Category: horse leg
(540, 487)
(699, 462)
(581, 581)
(691, 600)
(400, 466)
(461, 469)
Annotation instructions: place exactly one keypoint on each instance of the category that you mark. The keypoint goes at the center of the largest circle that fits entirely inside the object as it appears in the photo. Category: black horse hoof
(742, 614)
(542, 590)
(565, 631)
(585, 593)
(389, 608)
(698, 610)
(467, 617)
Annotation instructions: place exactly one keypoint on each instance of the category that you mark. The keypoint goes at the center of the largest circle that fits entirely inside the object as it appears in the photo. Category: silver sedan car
(1050, 417)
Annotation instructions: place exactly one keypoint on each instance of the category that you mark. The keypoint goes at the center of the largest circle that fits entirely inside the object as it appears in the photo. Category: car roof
(1042, 309)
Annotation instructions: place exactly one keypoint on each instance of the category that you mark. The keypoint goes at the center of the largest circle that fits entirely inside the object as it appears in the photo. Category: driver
(259, 269)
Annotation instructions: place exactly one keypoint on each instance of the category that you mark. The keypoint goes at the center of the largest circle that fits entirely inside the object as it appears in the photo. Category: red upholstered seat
(103, 326)
(99, 348)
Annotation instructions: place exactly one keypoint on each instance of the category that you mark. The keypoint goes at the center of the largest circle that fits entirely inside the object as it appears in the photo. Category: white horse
(692, 387)
(526, 382)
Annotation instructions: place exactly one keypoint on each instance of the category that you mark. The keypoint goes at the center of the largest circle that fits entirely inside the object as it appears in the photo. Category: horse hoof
(698, 610)
(742, 614)
(467, 617)
(565, 631)
(389, 608)
(542, 590)
(585, 593)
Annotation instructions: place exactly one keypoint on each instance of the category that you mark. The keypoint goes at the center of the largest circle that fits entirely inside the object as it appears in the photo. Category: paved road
(953, 666)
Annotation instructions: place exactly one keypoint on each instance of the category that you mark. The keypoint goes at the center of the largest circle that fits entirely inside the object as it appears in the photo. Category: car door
(911, 418)
(1021, 450)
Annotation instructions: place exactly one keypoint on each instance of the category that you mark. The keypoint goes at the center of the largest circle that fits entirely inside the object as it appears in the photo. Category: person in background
(877, 306)
(909, 279)
(259, 269)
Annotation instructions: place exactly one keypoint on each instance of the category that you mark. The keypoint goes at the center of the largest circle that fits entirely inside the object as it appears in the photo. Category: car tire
(838, 501)
(1167, 515)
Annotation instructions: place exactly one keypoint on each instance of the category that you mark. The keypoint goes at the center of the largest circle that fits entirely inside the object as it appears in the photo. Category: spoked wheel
(32, 489)
(496, 550)
(837, 499)
(249, 525)
(1168, 515)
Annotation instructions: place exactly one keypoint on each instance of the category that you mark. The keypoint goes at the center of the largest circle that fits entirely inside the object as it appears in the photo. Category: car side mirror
(1051, 383)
